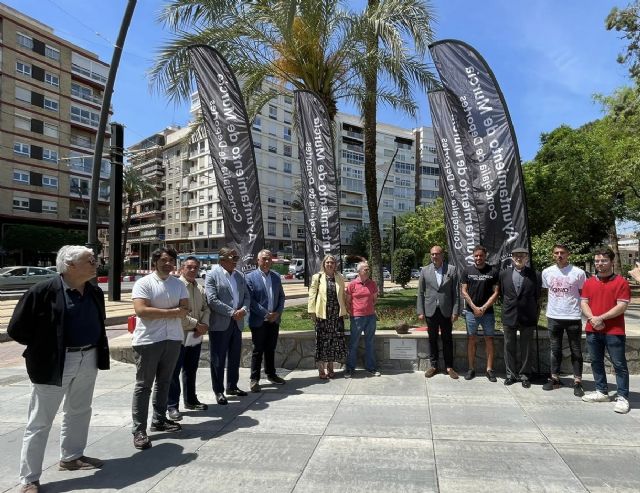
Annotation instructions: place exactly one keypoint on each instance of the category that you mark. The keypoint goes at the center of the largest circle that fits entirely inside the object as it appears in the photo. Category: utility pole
(92, 234)
(115, 211)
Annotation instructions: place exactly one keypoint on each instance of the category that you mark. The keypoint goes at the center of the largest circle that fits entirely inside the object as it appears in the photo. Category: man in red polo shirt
(603, 300)
(362, 294)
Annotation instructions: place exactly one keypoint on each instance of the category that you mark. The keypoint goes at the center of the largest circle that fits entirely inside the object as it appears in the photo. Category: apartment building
(190, 205)
(50, 100)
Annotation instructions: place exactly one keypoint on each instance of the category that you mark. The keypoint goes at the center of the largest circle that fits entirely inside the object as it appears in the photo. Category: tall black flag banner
(319, 180)
(455, 183)
(487, 139)
(231, 147)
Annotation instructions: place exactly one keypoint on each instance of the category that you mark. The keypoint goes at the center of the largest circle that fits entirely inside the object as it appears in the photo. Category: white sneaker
(596, 396)
(622, 405)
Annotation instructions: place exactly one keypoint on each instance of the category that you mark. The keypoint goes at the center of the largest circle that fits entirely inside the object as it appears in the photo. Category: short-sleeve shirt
(161, 293)
(362, 295)
(564, 287)
(602, 295)
(480, 283)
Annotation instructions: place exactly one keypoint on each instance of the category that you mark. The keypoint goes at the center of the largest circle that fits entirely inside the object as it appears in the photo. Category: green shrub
(403, 261)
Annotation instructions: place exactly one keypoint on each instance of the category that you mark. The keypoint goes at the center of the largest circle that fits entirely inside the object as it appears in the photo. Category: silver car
(22, 277)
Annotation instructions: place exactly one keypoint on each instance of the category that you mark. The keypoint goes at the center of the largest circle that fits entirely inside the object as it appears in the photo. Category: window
(21, 176)
(286, 167)
(287, 150)
(257, 124)
(49, 206)
(85, 116)
(271, 212)
(23, 94)
(273, 145)
(288, 100)
(23, 68)
(405, 168)
(23, 122)
(353, 157)
(286, 232)
(78, 186)
(51, 79)
(272, 129)
(50, 130)
(271, 200)
(349, 172)
(287, 133)
(272, 163)
(271, 229)
(78, 140)
(402, 182)
(257, 142)
(50, 104)
(24, 41)
(288, 116)
(273, 112)
(22, 149)
(50, 155)
(49, 181)
(429, 170)
(21, 203)
(51, 52)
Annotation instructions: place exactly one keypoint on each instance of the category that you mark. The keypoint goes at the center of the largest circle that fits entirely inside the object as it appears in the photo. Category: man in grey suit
(229, 301)
(438, 302)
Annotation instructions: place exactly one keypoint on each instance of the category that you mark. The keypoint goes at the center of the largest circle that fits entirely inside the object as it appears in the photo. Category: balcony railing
(88, 73)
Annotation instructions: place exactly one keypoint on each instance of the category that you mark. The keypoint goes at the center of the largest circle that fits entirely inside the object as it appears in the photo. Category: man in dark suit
(520, 288)
(267, 303)
(228, 299)
(61, 321)
(438, 302)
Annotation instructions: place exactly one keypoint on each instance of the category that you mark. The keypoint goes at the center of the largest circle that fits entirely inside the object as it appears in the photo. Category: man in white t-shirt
(160, 301)
(564, 282)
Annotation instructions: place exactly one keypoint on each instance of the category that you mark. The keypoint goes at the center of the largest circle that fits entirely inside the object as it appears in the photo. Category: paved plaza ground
(396, 433)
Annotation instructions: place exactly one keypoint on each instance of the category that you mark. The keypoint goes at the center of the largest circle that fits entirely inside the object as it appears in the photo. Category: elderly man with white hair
(362, 294)
(61, 321)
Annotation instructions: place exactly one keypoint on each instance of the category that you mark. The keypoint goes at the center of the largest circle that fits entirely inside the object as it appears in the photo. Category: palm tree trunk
(369, 114)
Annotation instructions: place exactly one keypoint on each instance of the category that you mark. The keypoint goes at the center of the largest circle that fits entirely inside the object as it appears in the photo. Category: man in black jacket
(61, 321)
(520, 288)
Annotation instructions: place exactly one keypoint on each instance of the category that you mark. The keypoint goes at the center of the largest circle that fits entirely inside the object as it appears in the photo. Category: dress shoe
(471, 374)
(431, 371)
(526, 383)
(221, 399)
(196, 406)
(276, 380)
(141, 440)
(452, 373)
(510, 381)
(238, 392)
(166, 425)
(32, 487)
(254, 386)
(174, 414)
(80, 464)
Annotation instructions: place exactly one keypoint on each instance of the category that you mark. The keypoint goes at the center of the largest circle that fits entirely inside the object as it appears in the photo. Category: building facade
(50, 101)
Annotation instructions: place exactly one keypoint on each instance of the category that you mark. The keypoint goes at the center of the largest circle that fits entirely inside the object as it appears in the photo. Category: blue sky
(549, 57)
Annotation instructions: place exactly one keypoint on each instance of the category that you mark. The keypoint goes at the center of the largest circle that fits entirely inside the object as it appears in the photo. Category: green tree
(627, 22)
(313, 45)
(422, 229)
(361, 242)
(134, 187)
(403, 261)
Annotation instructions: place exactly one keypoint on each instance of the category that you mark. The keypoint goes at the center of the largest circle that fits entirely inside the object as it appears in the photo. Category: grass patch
(394, 309)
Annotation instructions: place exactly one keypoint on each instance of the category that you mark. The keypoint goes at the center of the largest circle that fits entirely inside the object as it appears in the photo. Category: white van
(296, 267)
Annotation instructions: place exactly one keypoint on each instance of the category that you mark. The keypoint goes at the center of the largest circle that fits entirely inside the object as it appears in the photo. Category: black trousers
(225, 345)
(265, 340)
(187, 364)
(439, 323)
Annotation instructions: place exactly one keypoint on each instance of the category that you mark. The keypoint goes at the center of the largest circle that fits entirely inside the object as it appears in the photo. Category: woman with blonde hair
(328, 307)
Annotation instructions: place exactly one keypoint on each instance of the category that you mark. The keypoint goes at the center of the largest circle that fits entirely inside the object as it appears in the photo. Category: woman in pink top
(362, 294)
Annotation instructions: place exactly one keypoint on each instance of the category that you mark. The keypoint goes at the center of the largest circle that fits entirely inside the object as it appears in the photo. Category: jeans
(615, 344)
(366, 324)
(153, 362)
(78, 381)
(187, 364)
(574, 334)
(444, 324)
(265, 340)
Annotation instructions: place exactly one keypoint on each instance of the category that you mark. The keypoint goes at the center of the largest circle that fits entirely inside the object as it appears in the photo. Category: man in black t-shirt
(479, 287)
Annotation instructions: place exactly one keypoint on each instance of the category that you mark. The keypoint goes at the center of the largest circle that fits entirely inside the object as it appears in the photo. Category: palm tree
(307, 44)
(134, 187)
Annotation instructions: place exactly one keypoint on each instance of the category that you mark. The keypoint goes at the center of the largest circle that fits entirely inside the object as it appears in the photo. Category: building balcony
(146, 214)
(88, 75)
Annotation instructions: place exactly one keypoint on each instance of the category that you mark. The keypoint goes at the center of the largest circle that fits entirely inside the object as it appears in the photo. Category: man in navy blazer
(267, 303)
(438, 301)
(520, 288)
(228, 300)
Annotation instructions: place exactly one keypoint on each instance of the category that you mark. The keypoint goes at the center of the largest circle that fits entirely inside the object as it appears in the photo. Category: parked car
(203, 272)
(349, 274)
(22, 277)
(415, 274)
(386, 274)
(52, 268)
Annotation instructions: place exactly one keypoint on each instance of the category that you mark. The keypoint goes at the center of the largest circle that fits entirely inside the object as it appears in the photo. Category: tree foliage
(361, 242)
(627, 22)
(403, 261)
(33, 239)
(422, 229)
